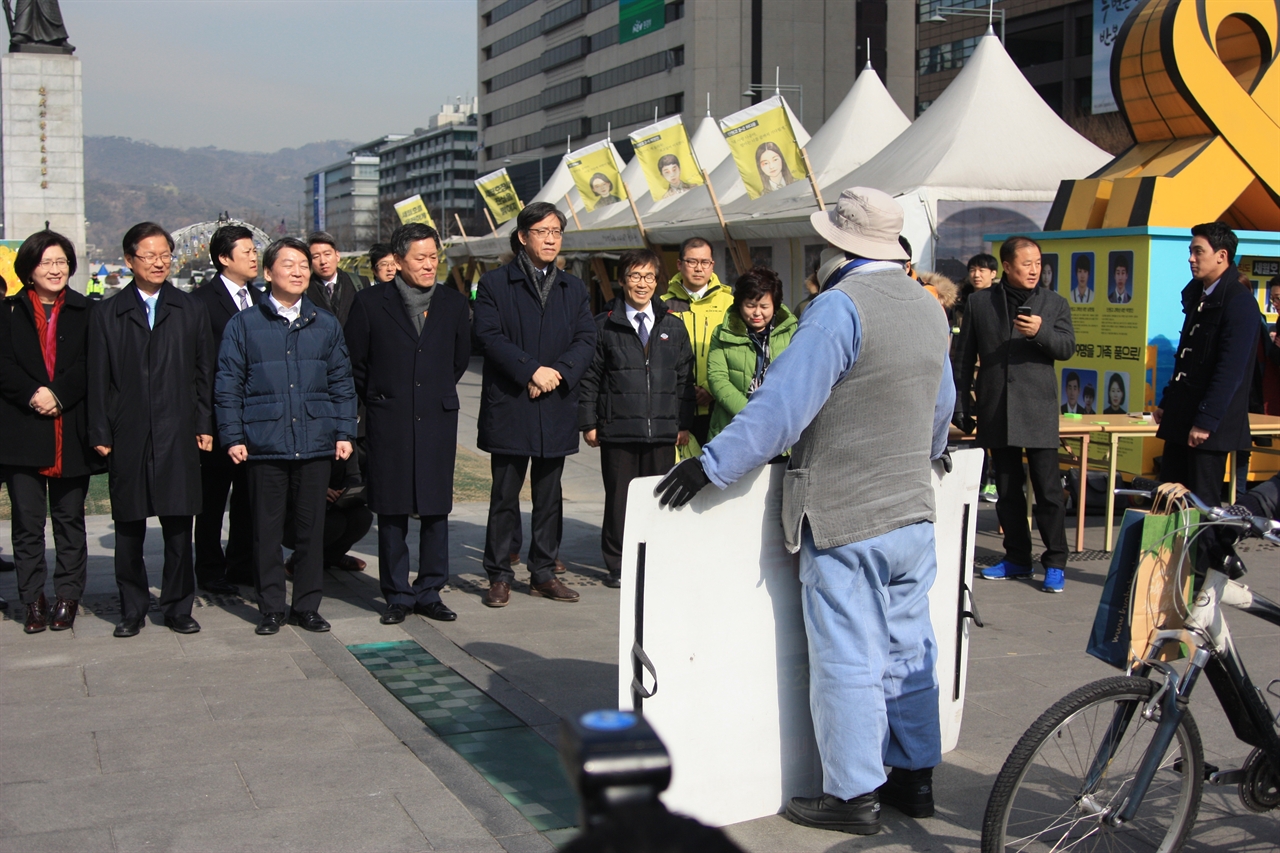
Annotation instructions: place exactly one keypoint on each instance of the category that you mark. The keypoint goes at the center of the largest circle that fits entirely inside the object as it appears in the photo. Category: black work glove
(945, 459)
(681, 484)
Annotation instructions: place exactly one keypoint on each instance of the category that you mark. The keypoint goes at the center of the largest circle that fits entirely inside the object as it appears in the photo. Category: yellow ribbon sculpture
(1198, 83)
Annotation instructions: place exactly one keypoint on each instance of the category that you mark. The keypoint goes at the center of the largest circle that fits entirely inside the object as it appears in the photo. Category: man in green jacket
(696, 295)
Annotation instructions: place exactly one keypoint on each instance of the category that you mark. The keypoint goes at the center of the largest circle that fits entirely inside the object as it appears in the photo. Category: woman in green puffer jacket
(756, 328)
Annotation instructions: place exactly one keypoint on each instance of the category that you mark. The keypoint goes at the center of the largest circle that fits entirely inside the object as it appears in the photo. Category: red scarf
(47, 332)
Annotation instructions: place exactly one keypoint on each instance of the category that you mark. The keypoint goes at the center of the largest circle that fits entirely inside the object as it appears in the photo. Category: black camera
(613, 758)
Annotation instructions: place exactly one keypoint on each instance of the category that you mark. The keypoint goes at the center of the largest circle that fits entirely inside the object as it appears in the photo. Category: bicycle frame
(1213, 652)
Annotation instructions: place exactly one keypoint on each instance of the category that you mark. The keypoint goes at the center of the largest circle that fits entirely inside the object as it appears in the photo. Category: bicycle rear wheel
(1046, 797)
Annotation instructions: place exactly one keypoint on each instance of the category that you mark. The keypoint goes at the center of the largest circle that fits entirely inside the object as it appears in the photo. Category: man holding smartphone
(1016, 331)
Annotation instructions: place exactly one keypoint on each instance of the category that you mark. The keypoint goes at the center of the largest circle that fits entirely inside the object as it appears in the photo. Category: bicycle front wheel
(1074, 768)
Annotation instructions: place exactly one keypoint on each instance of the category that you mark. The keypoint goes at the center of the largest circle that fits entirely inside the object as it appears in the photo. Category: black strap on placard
(640, 662)
(965, 608)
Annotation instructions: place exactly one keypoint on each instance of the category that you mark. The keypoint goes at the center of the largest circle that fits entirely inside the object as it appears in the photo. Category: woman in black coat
(409, 341)
(44, 445)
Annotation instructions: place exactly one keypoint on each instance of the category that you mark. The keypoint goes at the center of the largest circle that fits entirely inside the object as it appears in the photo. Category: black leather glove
(945, 459)
(681, 484)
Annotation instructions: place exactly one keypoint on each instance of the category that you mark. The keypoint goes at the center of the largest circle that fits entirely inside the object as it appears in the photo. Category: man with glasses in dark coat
(533, 321)
(151, 363)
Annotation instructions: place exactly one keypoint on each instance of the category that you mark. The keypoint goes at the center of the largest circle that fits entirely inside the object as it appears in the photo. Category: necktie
(243, 296)
(329, 288)
(642, 331)
(150, 302)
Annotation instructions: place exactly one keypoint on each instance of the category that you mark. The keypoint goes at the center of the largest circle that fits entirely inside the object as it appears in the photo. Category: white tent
(866, 121)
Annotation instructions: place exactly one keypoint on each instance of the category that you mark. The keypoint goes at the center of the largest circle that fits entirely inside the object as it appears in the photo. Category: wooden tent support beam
(602, 276)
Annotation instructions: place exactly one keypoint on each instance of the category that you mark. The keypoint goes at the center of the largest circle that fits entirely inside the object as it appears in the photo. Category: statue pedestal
(42, 148)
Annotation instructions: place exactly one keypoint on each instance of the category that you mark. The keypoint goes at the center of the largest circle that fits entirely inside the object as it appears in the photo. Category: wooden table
(1082, 429)
(1121, 426)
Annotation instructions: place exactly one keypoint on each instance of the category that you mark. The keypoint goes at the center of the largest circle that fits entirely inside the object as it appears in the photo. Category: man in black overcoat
(228, 293)
(151, 364)
(1018, 330)
(330, 288)
(410, 341)
(1204, 410)
(533, 323)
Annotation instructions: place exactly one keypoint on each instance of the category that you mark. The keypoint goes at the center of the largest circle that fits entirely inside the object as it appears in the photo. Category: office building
(342, 198)
(558, 72)
(437, 162)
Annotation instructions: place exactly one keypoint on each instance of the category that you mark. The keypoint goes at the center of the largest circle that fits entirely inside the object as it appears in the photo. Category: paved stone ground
(228, 741)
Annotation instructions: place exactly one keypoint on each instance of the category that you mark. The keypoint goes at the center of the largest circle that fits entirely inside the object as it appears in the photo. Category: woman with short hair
(44, 446)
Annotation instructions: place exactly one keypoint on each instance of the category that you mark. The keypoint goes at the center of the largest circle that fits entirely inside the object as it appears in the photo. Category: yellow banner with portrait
(596, 175)
(499, 195)
(414, 210)
(764, 146)
(666, 158)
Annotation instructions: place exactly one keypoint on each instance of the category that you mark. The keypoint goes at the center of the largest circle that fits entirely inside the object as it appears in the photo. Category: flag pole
(576, 222)
(813, 179)
(458, 219)
(493, 229)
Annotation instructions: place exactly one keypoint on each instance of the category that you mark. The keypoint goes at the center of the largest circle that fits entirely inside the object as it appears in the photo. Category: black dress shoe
(64, 614)
(909, 791)
(309, 620)
(182, 624)
(436, 610)
(858, 816)
(269, 624)
(613, 581)
(394, 615)
(129, 627)
(7, 565)
(220, 588)
(37, 615)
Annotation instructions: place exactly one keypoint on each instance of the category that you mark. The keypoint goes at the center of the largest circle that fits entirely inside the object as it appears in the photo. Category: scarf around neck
(541, 284)
(47, 332)
(417, 301)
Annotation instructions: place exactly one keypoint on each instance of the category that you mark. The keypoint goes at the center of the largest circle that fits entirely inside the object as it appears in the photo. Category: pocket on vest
(795, 491)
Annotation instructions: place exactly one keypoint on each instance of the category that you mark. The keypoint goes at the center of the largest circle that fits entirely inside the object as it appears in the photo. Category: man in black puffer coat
(636, 401)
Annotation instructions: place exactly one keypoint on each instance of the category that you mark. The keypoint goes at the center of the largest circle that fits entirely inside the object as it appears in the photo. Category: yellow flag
(764, 146)
(500, 195)
(414, 209)
(596, 175)
(7, 275)
(666, 158)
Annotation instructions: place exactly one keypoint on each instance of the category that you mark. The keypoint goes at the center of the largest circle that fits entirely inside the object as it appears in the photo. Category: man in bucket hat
(854, 397)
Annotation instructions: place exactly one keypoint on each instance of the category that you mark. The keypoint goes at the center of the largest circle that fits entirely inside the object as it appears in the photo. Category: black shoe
(909, 791)
(436, 610)
(4, 605)
(859, 816)
(309, 620)
(182, 624)
(613, 581)
(220, 588)
(129, 627)
(7, 565)
(269, 624)
(394, 615)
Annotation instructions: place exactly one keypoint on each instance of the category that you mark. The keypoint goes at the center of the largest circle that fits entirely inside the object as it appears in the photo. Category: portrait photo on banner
(1049, 270)
(666, 158)
(596, 174)
(1116, 393)
(764, 146)
(1081, 279)
(1120, 277)
(1079, 392)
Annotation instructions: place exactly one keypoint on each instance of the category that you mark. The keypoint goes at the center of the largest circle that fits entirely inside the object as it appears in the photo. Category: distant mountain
(127, 181)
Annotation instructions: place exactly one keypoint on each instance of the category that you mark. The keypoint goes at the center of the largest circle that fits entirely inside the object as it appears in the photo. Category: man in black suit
(331, 288)
(1204, 411)
(228, 293)
(1017, 330)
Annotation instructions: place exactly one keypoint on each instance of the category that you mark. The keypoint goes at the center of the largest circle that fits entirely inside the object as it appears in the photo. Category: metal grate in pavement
(513, 758)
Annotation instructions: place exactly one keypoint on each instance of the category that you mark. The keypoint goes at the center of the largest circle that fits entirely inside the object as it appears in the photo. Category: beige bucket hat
(865, 222)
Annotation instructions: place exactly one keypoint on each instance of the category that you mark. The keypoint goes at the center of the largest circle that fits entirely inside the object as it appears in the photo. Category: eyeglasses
(54, 264)
(540, 233)
(698, 263)
(637, 277)
(165, 259)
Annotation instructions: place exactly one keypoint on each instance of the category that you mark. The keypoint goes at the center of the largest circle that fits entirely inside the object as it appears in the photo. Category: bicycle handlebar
(1235, 515)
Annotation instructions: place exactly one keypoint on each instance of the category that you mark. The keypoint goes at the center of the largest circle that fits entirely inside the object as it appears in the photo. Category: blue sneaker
(1054, 580)
(1004, 570)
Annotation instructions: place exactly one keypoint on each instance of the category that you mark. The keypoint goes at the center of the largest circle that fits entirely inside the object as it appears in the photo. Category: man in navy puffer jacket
(286, 407)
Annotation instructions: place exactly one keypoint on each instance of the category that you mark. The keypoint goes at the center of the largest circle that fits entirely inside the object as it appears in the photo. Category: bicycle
(1118, 764)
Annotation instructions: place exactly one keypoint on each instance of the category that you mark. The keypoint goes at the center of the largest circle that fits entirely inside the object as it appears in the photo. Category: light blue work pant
(872, 688)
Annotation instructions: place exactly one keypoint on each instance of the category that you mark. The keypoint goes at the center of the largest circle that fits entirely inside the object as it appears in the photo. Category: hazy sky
(260, 75)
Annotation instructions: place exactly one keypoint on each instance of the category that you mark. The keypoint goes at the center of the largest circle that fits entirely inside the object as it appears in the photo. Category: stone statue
(35, 26)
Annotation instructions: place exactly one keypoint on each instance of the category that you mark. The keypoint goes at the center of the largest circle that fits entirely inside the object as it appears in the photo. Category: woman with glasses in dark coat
(44, 447)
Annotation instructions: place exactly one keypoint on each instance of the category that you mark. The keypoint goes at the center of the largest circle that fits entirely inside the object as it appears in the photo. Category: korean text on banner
(414, 209)
(1108, 15)
(500, 195)
(666, 158)
(764, 146)
(638, 18)
(596, 175)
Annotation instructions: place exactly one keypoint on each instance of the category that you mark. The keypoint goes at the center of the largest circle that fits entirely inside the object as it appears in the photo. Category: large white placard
(721, 625)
